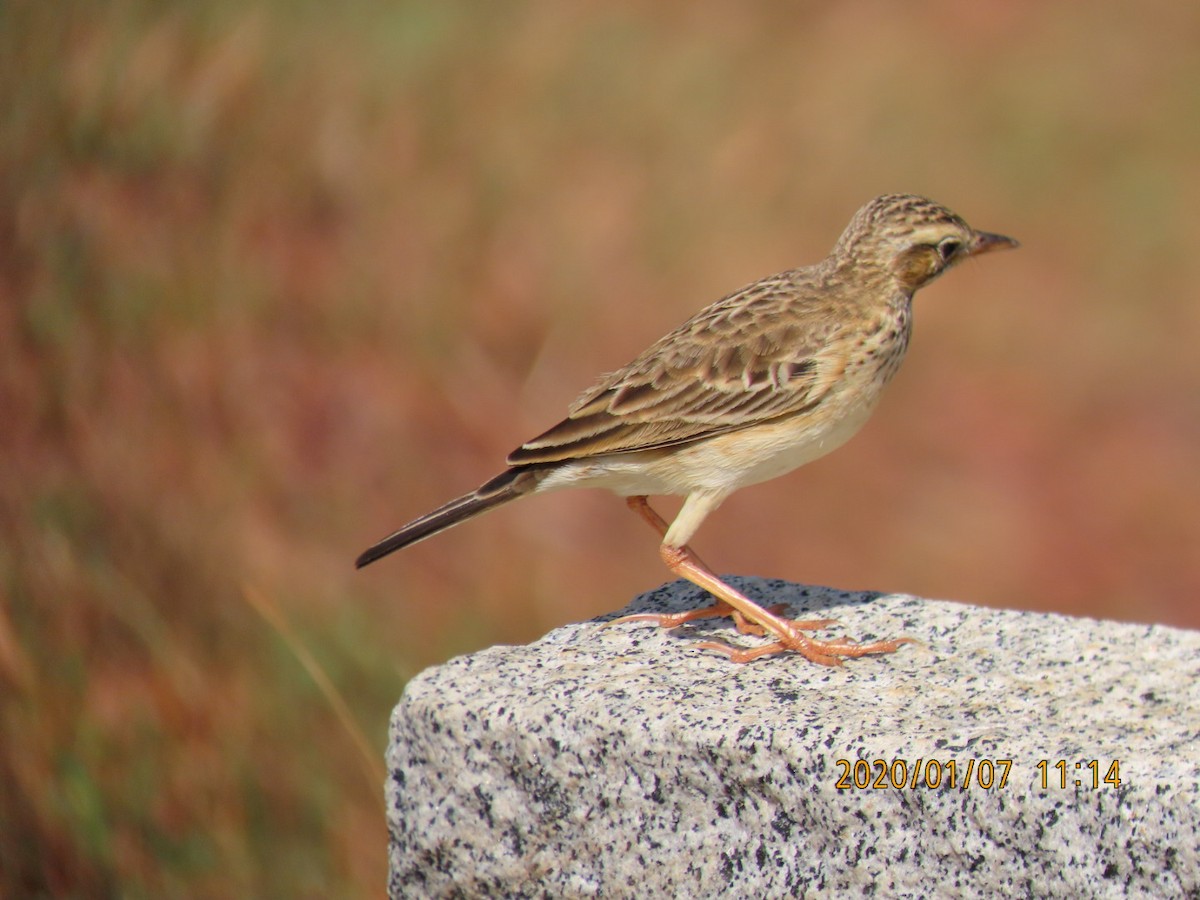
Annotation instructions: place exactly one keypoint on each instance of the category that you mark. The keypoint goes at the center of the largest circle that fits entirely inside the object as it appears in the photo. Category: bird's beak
(984, 242)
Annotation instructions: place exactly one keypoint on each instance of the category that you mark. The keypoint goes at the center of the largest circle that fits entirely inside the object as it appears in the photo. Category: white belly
(716, 466)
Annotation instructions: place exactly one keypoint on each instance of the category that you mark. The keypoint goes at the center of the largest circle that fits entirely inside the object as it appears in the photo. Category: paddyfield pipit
(759, 383)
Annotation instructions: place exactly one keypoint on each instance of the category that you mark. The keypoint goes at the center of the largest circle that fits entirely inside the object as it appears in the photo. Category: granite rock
(624, 762)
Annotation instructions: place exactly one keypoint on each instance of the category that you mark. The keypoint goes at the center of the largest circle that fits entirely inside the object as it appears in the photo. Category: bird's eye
(947, 248)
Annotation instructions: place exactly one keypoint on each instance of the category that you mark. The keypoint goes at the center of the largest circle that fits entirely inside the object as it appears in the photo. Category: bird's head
(912, 239)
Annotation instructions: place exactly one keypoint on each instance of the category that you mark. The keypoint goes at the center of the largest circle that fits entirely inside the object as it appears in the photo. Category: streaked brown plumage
(765, 380)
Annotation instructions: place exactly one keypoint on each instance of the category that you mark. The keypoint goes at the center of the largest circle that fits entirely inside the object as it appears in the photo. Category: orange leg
(684, 562)
(672, 620)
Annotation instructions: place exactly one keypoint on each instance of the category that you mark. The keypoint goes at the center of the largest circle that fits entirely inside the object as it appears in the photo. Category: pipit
(767, 379)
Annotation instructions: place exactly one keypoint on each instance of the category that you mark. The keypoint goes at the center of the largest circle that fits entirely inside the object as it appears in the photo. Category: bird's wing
(757, 355)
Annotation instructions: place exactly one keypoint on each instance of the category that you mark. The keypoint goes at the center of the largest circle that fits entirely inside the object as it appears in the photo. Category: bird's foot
(743, 625)
(824, 653)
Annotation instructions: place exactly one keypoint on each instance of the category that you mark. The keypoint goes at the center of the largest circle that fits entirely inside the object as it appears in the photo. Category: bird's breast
(873, 357)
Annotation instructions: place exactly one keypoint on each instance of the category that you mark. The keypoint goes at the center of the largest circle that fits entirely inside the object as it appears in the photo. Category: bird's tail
(506, 486)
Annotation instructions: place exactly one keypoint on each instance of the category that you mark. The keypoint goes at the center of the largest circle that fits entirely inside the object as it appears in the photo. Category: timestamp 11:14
(1063, 774)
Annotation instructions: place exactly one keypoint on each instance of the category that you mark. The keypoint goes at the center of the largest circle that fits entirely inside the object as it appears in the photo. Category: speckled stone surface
(622, 762)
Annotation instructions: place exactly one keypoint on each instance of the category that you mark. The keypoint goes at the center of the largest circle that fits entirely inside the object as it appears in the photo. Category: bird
(767, 379)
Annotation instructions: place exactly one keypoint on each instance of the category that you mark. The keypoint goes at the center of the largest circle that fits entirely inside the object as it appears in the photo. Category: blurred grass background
(276, 277)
